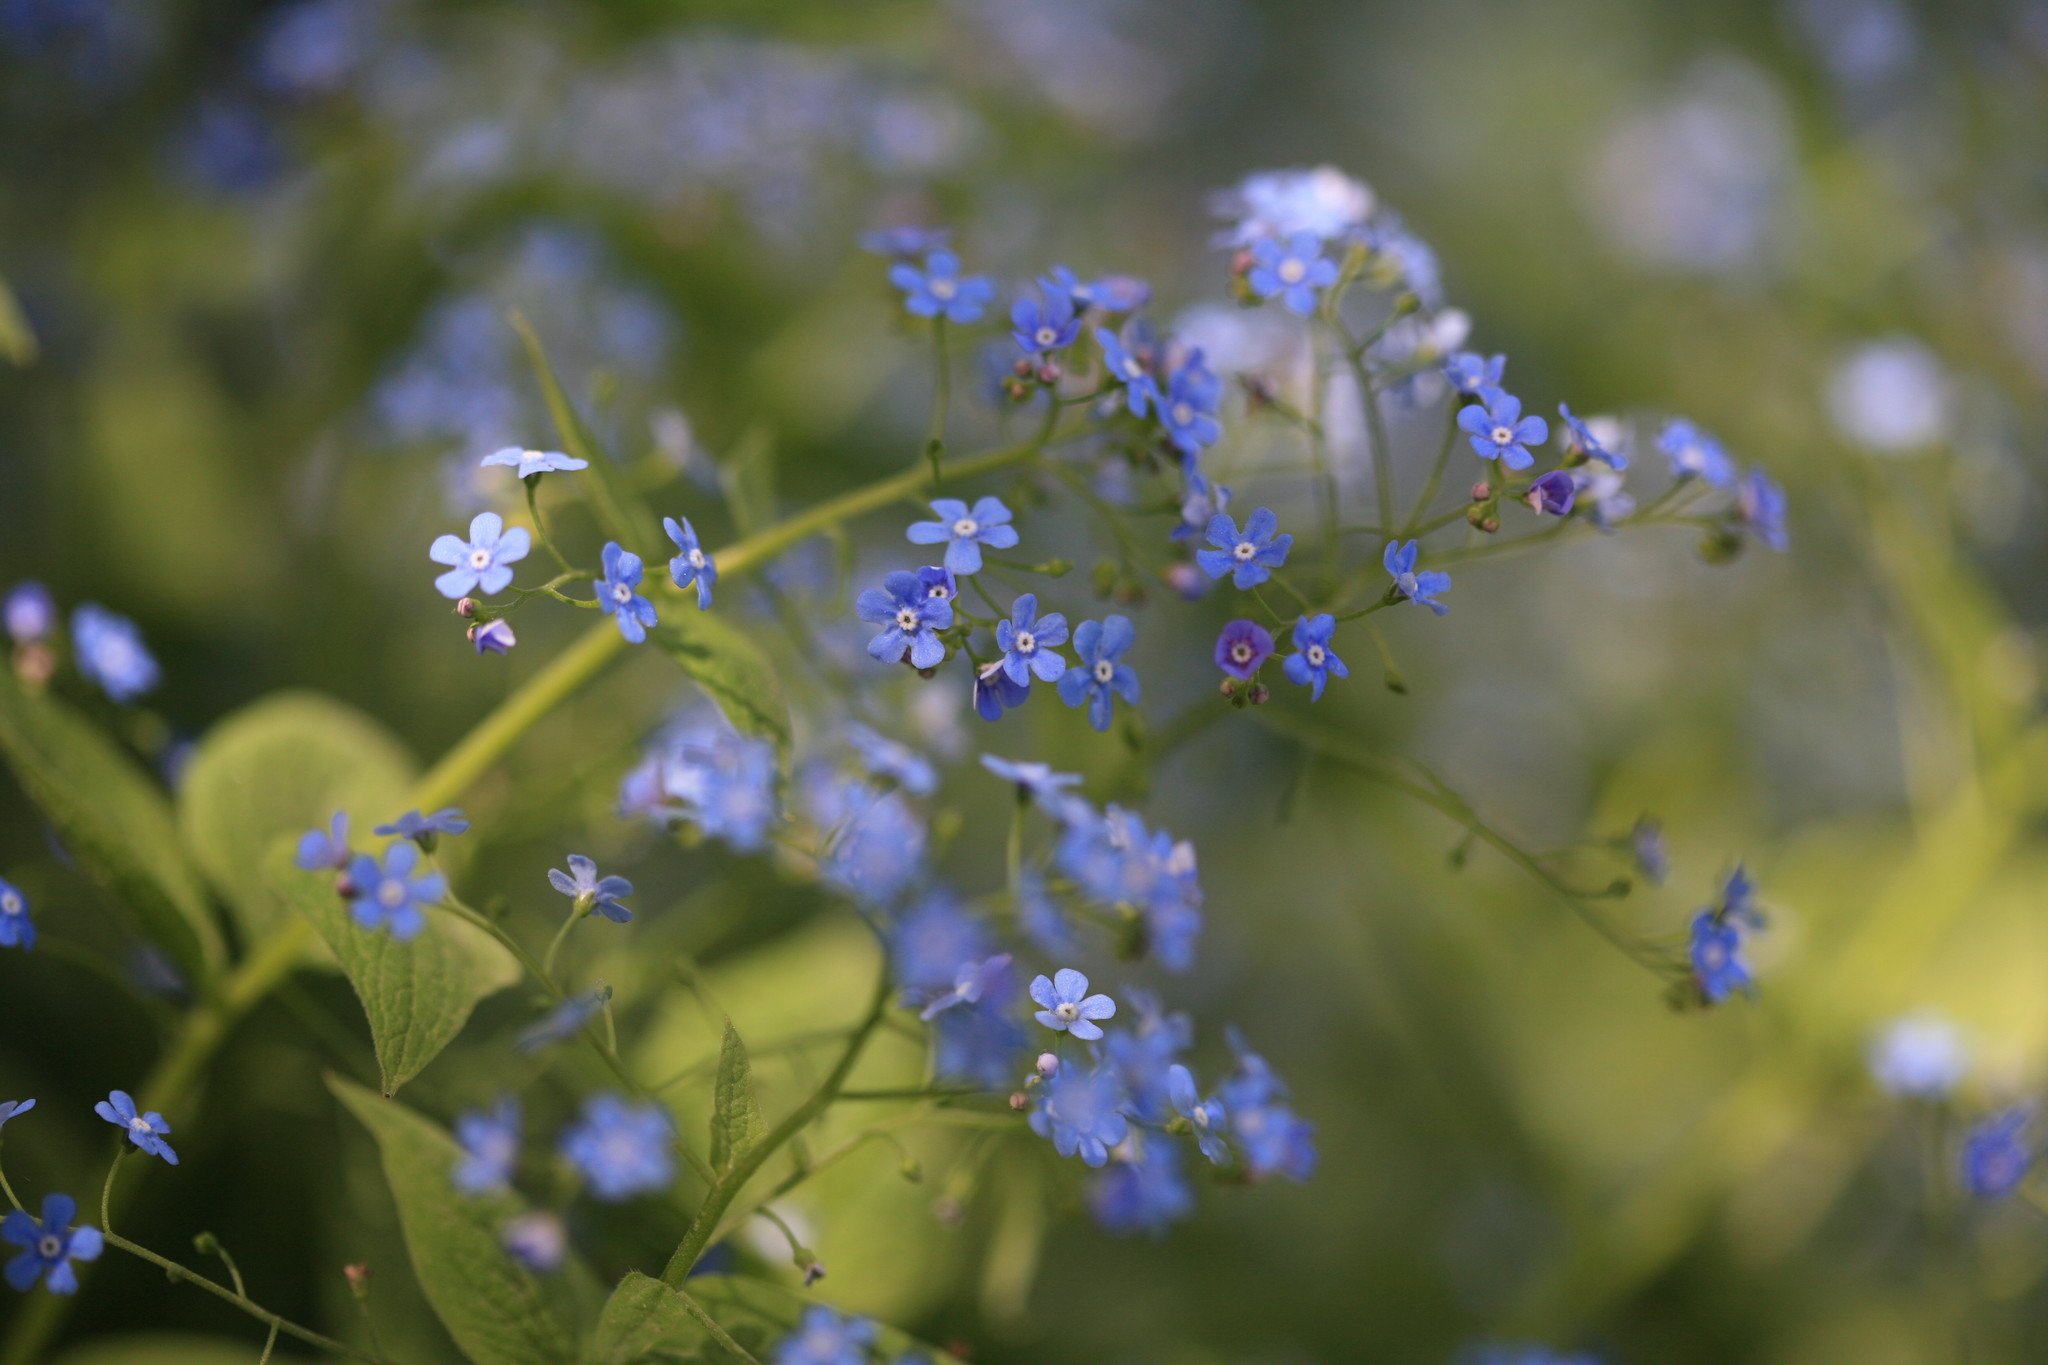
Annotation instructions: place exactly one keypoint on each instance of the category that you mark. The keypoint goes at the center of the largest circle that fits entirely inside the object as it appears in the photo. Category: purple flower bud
(1047, 1064)
(1242, 647)
(1552, 493)
(494, 637)
(466, 608)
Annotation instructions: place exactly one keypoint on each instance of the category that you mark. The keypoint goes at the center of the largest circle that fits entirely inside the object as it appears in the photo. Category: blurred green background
(266, 253)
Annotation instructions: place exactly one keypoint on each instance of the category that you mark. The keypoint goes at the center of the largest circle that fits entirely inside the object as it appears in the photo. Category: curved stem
(274, 1321)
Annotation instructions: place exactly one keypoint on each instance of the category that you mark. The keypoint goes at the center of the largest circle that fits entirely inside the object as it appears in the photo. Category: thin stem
(1376, 428)
(1413, 526)
(274, 1321)
(1013, 853)
(712, 1329)
(540, 527)
(547, 959)
(942, 398)
(1319, 455)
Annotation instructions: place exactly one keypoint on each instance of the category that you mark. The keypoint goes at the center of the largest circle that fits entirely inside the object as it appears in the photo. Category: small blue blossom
(1761, 506)
(1205, 1117)
(592, 894)
(1738, 899)
(322, 850)
(618, 592)
(14, 1109)
(1249, 558)
(823, 1337)
(1066, 1007)
(1026, 640)
(964, 532)
(1293, 272)
(1552, 493)
(1101, 674)
(1314, 663)
(911, 619)
(493, 637)
(1040, 918)
(109, 651)
(17, 930)
(1141, 390)
(484, 561)
(490, 1147)
(906, 240)
(929, 946)
(1044, 321)
(1051, 790)
(979, 1044)
(994, 693)
(1143, 1190)
(1242, 647)
(425, 829)
(876, 840)
(1646, 848)
(1081, 1111)
(1115, 861)
(1603, 490)
(1694, 453)
(390, 897)
(1200, 504)
(537, 1240)
(1419, 588)
(1498, 431)
(145, 1130)
(1585, 444)
(1188, 412)
(971, 983)
(1998, 1153)
(940, 291)
(704, 771)
(564, 1021)
(533, 463)
(1273, 1139)
(883, 757)
(622, 1149)
(691, 564)
(1473, 374)
(1144, 1055)
(938, 582)
(1716, 953)
(30, 613)
(1921, 1056)
(49, 1247)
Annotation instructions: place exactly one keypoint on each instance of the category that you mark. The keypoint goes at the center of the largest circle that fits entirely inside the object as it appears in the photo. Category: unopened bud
(345, 887)
(466, 608)
(1018, 1099)
(1046, 1065)
(1481, 491)
(35, 663)
(1476, 514)
(1022, 369)
(358, 1277)
(1261, 694)
(813, 1273)
(1049, 373)
(1228, 687)
(1490, 525)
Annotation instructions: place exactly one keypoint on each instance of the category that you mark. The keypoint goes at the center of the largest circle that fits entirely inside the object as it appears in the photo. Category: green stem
(540, 527)
(712, 1329)
(942, 398)
(547, 960)
(274, 1321)
(721, 1194)
(1413, 526)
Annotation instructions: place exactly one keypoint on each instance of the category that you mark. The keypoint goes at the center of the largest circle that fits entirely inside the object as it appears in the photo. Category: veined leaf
(732, 670)
(274, 770)
(498, 1311)
(736, 1113)
(644, 1317)
(618, 507)
(417, 995)
(113, 820)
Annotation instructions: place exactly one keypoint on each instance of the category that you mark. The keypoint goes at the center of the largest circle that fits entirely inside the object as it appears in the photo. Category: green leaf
(732, 670)
(618, 507)
(17, 340)
(417, 995)
(176, 1348)
(270, 772)
(113, 820)
(736, 1113)
(499, 1312)
(645, 1319)
(747, 474)
(738, 1303)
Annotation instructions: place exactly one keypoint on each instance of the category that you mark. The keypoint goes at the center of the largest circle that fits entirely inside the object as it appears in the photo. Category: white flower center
(965, 527)
(1200, 1118)
(1183, 414)
(1316, 654)
(696, 557)
(1067, 1010)
(10, 904)
(139, 1124)
(1026, 642)
(1132, 369)
(1241, 652)
(943, 289)
(479, 558)
(622, 593)
(1291, 270)
(938, 592)
(391, 893)
(1045, 336)
(1502, 435)
(906, 620)
(1244, 550)
(49, 1246)
(1104, 670)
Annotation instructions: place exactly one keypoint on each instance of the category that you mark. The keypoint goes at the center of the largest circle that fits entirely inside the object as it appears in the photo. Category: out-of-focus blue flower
(109, 651)
(227, 146)
(390, 897)
(1205, 1117)
(1552, 493)
(593, 894)
(703, 771)
(1273, 1139)
(622, 1149)
(1144, 1051)
(875, 840)
(1499, 431)
(1116, 861)
(490, 1147)
(425, 829)
(618, 592)
(1188, 412)
(1313, 663)
(1419, 588)
(1716, 953)
(1322, 202)
(14, 1109)
(1066, 1007)
(1646, 848)
(537, 1240)
(1738, 898)
(483, 562)
(1585, 444)
(910, 618)
(905, 240)
(1026, 640)
(1141, 390)
(1694, 453)
(30, 613)
(940, 291)
(1040, 918)
(1293, 272)
(1998, 1153)
(971, 983)
(325, 849)
(964, 532)
(1241, 647)
(825, 1338)
(1100, 674)
(899, 763)
(314, 47)
(564, 1021)
(145, 1130)
(1201, 503)
(1761, 505)
(691, 564)
(1921, 1056)
(49, 1247)
(1249, 558)
(1472, 374)
(532, 463)
(1044, 321)
(1143, 1190)
(17, 930)
(1051, 790)
(1080, 1110)
(1601, 490)
(929, 945)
